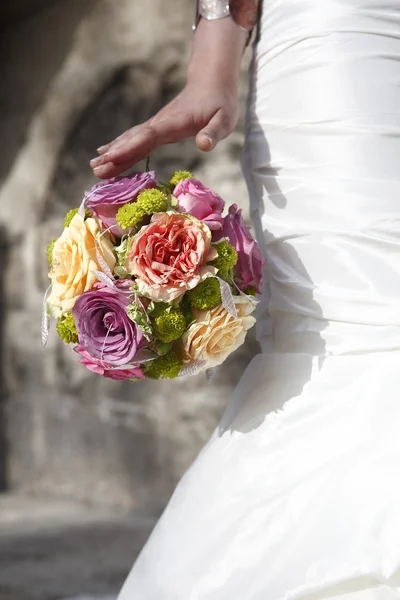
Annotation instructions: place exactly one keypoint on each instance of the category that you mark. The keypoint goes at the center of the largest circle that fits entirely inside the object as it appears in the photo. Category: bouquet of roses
(149, 279)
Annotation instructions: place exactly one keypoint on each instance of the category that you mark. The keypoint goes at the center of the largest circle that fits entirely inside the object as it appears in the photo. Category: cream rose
(216, 333)
(73, 261)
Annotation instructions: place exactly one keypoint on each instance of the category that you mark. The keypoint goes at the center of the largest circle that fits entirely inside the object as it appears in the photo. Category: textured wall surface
(75, 73)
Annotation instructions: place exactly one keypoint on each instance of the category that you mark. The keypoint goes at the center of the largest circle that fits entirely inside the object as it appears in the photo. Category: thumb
(218, 128)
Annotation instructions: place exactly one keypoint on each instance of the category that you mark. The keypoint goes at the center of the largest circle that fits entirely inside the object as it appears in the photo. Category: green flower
(169, 325)
(179, 176)
(206, 295)
(49, 252)
(226, 260)
(66, 329)
(166, 367)
(152, 201)
(148, 203)
(74, 211)
(130, 215)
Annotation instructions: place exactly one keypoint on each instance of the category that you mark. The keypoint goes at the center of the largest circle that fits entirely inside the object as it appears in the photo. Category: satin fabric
(297, 493)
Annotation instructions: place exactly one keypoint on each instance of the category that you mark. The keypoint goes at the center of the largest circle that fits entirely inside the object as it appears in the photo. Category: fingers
(218, 128)
(138, 143)
(111, 169)
(122, 154)
(122, 136)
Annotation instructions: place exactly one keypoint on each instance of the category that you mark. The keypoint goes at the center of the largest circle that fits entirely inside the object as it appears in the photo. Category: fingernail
(209, 138)
(96, 170)
(98, 160)
(101, 149)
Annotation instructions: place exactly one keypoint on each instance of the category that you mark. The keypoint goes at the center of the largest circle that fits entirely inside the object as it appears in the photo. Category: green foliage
(155, 309)
(139, 316)
(186, 308)
(206, 295)
(165, 367)
(66, 329)
(162, 347)
(121, 252)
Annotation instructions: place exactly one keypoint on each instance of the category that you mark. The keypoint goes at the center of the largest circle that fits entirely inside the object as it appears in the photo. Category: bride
(297, 493)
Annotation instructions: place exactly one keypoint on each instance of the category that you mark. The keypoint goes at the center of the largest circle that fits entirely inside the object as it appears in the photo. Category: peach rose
(216, 333)
(74, 259)
(169, 256)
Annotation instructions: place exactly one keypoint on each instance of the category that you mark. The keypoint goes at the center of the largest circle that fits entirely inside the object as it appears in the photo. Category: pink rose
(249, 268)
(200, 202)
(106, 197)
(169, 256)
(101, 368)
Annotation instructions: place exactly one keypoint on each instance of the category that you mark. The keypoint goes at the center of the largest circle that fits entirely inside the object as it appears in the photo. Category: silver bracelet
(211, 10)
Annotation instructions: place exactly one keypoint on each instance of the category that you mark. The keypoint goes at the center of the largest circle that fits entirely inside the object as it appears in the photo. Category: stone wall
(75, 74)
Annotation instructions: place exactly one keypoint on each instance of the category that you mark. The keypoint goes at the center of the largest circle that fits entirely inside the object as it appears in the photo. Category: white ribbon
(104, 279)
(106, 269)
(192, 368)
(45, 324)
(227, 299)
(81, 209)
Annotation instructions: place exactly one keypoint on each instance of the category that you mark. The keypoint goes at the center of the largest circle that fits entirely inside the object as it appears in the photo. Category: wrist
(217, 51)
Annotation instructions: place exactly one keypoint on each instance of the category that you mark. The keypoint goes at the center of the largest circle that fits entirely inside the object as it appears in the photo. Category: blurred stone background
(86, 464)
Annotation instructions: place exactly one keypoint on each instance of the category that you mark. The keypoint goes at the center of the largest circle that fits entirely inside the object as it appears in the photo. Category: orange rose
(169, 256)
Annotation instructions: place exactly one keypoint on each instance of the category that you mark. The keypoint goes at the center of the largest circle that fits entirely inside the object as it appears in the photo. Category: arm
(206, 108)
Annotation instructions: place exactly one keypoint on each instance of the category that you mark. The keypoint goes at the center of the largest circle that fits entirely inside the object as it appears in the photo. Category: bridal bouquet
(150, 280)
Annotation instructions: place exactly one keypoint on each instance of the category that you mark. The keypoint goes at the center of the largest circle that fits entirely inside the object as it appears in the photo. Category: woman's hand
(208, 112)
(206, 108)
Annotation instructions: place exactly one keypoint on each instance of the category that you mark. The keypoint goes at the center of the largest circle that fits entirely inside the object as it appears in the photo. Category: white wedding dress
(297, 493)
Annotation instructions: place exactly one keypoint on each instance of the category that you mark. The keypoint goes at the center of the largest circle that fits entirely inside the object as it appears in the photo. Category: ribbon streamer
(227, 299)
(192, 368)
(106, 269)
(45, 324)
(104, 279)
(81, 209)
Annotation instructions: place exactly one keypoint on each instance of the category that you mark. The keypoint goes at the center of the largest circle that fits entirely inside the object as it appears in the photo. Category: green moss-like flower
(169, 325)
(74, 211)
(66, 329)
(49, 252)
(130, 215)
(152, 201)
(179, 176)
(148, 203)
(226, 260)
(206, 295)
(165, 367)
